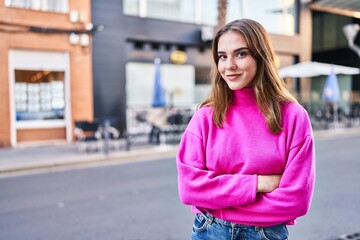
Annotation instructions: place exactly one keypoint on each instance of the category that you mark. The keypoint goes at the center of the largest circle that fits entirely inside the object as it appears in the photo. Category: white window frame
(65, 7)
(60, 61)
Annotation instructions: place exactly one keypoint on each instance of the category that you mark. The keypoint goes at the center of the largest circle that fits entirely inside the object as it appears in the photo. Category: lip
(232, 77)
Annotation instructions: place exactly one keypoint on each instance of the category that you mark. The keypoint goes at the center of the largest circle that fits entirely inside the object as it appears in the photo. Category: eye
(221, 57)
(242, 54)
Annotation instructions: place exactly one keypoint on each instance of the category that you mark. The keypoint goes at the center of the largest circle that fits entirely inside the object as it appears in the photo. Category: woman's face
(236, 65)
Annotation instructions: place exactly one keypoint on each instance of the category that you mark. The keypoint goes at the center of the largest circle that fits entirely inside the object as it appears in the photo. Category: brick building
(45, 69)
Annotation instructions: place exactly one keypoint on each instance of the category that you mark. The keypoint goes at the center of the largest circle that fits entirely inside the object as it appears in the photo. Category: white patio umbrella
(313, 69)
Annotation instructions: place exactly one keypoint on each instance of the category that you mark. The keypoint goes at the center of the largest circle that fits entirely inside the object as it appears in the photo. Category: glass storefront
(178, 82)
(39, 95)
(277, 16)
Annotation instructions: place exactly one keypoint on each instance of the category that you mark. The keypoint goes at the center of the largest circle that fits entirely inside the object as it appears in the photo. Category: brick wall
(81, 92)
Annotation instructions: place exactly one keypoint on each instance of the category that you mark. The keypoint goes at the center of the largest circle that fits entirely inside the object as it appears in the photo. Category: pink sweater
(218, 167)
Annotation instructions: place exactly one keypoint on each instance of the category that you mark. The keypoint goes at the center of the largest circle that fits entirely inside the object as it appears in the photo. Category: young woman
(246, 161)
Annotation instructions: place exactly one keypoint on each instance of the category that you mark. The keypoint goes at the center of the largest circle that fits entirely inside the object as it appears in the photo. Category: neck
(244, 96)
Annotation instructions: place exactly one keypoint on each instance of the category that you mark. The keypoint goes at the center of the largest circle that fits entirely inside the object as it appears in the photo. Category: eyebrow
(236, 50)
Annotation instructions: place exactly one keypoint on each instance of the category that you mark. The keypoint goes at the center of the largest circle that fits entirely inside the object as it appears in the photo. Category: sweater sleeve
(203, 188)
(293, 197)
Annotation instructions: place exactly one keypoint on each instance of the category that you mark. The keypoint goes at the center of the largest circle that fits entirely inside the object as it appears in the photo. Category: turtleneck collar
(244, 96)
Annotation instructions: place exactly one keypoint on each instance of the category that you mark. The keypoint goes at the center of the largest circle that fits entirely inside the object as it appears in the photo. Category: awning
(350, 8)
(313, 69)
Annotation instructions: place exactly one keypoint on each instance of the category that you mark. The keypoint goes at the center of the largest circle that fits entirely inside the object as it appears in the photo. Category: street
(139, 201)
(130, 201)
(335, 209)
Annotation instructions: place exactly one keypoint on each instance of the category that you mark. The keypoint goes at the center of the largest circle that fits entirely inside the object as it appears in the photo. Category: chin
(236, 87)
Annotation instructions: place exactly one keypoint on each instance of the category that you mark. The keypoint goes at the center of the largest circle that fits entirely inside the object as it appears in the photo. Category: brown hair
(269, 88)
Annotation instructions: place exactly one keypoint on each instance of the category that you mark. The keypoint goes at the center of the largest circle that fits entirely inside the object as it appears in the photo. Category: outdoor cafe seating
(88, 135)
(93, 136)
(158, 125)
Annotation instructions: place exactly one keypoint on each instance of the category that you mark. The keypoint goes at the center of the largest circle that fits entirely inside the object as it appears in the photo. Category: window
(208, 12)
(41, 5)
(178, 81)
(326, 33)
(277, 16)
(39, 83)
(177, 10)
(174, 10)
(202, 83)
(131, 7)
(39, 92)
(39, 95)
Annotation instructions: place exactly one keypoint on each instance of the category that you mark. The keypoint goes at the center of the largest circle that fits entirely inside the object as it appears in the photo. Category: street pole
(351, 31)
(106, 136)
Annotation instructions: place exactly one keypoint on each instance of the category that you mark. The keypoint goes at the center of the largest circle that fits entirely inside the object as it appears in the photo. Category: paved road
(335, 209)
(139, 201)
(129, 202)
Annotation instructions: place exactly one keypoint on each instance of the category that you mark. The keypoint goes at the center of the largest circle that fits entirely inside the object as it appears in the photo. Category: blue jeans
(207, 227)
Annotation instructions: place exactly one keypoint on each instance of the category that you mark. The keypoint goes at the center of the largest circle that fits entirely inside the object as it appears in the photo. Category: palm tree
(222, 7)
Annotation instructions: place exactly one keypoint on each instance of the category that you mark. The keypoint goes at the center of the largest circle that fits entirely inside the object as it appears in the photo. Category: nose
(230, 65)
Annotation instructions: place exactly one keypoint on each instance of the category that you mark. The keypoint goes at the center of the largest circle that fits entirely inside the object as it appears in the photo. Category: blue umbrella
(331, 92)
(159, 93)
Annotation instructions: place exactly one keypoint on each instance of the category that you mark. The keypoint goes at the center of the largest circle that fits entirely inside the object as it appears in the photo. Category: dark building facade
(134, 39)
(124, 52)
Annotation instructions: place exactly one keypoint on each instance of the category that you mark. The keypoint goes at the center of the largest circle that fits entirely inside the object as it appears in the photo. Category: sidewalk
(65, 155)
(19, 159)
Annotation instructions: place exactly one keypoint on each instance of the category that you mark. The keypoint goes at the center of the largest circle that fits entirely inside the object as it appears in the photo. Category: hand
(268, 183)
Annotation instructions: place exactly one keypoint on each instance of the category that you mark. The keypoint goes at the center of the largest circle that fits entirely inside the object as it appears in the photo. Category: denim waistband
(210, 219)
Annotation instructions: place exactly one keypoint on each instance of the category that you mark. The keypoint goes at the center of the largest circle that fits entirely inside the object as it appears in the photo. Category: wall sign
(178, 57)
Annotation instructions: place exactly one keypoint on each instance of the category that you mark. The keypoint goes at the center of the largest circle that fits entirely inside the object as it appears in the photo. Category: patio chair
(88, 135)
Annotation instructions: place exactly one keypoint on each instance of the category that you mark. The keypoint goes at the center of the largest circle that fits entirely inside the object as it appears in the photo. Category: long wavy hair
(269, 88)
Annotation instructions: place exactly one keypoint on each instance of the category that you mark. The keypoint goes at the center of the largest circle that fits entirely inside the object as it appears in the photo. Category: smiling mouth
(233, 76)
